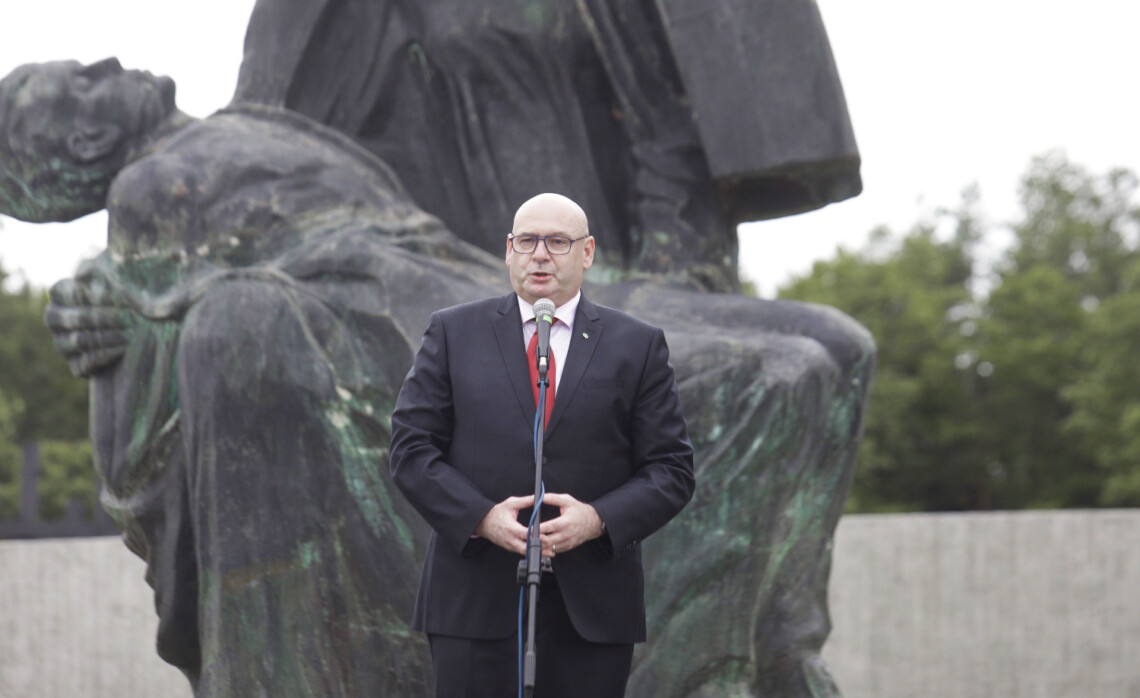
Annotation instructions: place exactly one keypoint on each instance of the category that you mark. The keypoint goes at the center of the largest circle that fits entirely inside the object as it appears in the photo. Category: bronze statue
(264, 287)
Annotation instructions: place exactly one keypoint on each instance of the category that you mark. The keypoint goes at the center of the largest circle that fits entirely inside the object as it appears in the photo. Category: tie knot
(551, 374)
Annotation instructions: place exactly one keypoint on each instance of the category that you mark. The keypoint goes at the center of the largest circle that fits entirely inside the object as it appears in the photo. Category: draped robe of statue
(480, 105)
(278, 278)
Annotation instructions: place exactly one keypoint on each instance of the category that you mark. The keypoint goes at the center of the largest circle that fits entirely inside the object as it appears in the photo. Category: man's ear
(90, 143)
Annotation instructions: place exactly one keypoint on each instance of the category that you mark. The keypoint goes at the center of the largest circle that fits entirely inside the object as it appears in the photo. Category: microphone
(544, 318)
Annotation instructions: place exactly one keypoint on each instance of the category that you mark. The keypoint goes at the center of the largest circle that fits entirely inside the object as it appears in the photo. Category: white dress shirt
(560, 331)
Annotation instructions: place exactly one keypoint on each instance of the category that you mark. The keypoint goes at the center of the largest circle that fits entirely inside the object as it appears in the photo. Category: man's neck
(564, 312)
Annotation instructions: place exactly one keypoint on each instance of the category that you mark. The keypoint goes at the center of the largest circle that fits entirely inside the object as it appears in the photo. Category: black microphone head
(544, 310)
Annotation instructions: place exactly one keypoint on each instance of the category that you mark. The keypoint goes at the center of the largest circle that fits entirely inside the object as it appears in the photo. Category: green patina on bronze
(363, 462)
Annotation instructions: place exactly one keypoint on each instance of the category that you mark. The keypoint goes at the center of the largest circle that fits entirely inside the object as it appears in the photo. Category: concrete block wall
(1004, 605)
(77, 620)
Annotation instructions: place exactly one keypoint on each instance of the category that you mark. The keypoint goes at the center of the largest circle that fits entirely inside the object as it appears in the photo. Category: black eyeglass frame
(543, 239)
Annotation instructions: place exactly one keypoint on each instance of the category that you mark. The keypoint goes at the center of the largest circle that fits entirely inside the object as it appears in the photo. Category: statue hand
(90, 321)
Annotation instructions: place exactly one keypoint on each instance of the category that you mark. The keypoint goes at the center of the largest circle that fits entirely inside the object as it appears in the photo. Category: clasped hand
(89, 321)
(576, 523)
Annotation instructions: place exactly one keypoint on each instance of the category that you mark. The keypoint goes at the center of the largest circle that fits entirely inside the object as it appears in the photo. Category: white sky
(941, 95)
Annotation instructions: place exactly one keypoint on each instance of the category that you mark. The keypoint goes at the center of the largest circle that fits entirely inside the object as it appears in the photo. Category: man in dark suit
(618, 465)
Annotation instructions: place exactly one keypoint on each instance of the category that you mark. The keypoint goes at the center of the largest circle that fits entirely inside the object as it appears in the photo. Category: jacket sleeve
(663, 480)
(421, 435)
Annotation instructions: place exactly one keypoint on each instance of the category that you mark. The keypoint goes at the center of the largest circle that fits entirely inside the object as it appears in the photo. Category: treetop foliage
(1011, 387)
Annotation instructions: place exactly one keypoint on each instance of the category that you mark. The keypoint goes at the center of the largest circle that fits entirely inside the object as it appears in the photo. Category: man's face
(62, 103)
(539, 274)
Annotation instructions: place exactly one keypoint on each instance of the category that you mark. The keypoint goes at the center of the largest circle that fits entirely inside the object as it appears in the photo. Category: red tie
(551, 372)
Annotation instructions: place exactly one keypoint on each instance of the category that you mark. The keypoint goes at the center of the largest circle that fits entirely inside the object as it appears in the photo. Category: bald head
(553, 207)
(538, 273)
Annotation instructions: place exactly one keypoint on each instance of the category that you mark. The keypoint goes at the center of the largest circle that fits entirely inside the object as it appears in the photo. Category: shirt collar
(564, 312)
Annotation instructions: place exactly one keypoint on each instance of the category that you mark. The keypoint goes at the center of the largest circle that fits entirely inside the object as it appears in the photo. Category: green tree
(40, 401)
(1013, 393)
(1078, 223)
(1106, 399)
(66, 475)
(55, 402)
(1031, 340)
(10, 457)
(913, 295)
(1057, 329)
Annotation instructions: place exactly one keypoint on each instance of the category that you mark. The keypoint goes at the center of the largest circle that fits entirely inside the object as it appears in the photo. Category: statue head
(66, 129)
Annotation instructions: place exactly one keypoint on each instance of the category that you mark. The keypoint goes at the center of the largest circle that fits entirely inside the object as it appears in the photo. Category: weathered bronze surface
(267, 279)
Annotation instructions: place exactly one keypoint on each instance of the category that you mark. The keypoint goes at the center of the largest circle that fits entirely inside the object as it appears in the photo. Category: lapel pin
(585, 335)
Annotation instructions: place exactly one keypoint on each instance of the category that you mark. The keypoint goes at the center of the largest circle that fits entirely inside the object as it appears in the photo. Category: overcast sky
(941, 95)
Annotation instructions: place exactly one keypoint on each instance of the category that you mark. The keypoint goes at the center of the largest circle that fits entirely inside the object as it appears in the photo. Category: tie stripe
(551, 373)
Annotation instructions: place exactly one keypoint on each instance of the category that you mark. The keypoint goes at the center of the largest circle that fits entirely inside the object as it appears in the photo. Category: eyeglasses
(555, 244)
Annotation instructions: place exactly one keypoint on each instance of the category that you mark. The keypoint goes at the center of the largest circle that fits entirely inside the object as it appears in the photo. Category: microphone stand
(534, 564)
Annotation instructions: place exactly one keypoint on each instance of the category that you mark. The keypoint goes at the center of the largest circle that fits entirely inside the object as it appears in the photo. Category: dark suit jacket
(462, 440)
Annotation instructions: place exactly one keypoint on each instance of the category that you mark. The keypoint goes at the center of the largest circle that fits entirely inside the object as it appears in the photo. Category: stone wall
(77, 620)
(1005, 605)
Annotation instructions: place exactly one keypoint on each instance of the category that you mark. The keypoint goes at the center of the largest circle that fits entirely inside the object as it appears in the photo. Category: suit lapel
(508, 332)
(587, 333)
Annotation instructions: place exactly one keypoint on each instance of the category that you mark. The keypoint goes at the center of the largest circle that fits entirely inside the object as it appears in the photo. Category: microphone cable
(530, 527)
